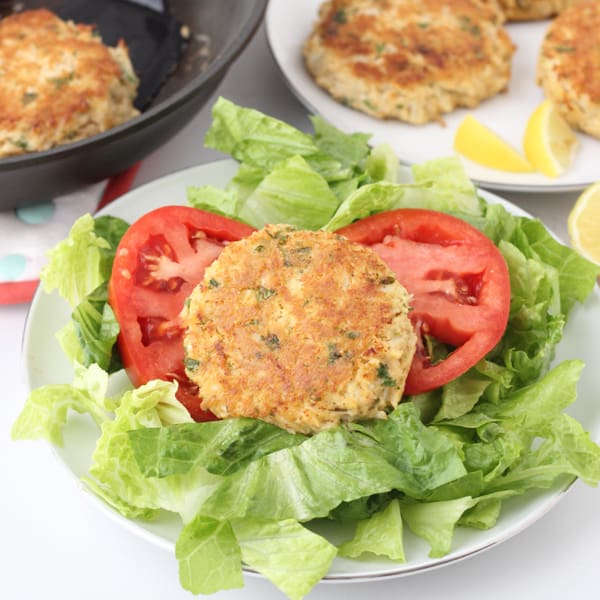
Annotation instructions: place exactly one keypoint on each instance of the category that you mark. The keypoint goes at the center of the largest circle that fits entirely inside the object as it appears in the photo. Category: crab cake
(531, 10)
(60, 83)
(569, 65)
(303, 329)
(412, 60)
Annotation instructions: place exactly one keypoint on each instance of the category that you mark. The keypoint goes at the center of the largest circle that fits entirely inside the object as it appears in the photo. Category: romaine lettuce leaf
(115, 475)
(381, 534)
(209, 557)
(291, 556)
(308, 480)
(254, 138)
(47, 408)
(77, 265)
(527, 440)
(349, 149)
(436, 521)
(291, 193)
(79, 268)
(222, 447)
(96, 329)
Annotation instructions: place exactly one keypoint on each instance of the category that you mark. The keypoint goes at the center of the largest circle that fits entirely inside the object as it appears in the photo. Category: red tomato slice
(159, 261)
(458, 281)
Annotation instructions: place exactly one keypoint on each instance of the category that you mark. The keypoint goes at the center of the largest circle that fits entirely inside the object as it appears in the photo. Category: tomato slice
(159, 261)
(458, 281)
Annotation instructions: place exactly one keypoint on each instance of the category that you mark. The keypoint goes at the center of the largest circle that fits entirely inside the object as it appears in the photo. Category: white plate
(288, 24)
(46, 364)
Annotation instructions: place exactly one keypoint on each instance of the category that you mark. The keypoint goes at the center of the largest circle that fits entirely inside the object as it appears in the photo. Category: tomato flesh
(458, 281)
(159, 261)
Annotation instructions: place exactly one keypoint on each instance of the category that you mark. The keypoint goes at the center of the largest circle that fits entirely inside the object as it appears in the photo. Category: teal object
(12, 267)
(36, 214)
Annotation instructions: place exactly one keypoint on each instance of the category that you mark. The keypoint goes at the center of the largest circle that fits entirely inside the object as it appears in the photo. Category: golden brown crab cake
(569, 65)
(60, 83)
(411, 60)
(302, 329)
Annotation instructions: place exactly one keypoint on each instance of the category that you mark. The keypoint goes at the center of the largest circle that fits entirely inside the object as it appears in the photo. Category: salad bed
(251, 493)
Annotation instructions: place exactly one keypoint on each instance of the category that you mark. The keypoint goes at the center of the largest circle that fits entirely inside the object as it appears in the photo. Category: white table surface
(55, 543)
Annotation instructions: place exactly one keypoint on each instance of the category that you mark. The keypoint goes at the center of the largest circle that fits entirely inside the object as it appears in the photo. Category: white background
(55, 543)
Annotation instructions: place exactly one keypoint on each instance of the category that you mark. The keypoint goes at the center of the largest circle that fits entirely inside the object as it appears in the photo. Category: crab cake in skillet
(60, 83)
(412, 60)
(569, 65)
(303, 329)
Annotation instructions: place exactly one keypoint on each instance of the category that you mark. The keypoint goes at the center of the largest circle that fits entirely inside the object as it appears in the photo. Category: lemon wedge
(549, 142)
(481, 145)
(584, 223)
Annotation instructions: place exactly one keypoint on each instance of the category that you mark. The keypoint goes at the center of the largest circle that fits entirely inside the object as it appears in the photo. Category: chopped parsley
(60, 82)
(340, 16)
(334, 353)
(271, 341)
(564, 49)
(387, 280)
(467, 25)
(191, 364)
(21, 143)
(263, 293)
(28, 98)
(384, 375)
(369, 104)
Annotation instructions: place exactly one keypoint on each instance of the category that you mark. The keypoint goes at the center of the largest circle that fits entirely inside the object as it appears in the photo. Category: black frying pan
(178, 74)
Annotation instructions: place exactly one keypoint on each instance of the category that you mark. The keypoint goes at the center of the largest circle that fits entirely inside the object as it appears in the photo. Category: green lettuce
(322, 180)
(288, 554)
(79, 268)
(77, 265)
(380, 534)
(114, 474)
(47, 408)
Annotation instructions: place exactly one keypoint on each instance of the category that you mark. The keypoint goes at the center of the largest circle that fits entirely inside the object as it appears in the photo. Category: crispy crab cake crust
(302, 329)
(411, 60)
(60, 83)
(569, 65)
